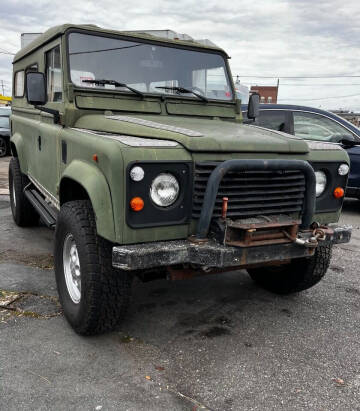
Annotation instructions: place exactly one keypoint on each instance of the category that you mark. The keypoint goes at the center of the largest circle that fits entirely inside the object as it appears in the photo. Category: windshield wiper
(114, 83)
(185, 90)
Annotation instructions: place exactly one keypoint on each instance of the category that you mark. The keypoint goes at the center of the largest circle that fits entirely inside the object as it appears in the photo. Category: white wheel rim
(71, 264)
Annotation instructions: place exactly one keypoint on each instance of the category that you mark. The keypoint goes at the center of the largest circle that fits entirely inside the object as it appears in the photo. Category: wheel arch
(80, 181)
(17, 146)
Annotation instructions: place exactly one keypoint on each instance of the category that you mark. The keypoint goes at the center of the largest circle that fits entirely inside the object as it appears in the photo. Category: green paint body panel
(111, 103)
(219, 124)
(90, 177)
(217, 135)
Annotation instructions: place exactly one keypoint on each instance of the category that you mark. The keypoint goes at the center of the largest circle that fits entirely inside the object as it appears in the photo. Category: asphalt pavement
(217, 342)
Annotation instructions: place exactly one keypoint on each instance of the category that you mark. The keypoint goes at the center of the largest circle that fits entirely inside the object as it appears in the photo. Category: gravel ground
(216, 342)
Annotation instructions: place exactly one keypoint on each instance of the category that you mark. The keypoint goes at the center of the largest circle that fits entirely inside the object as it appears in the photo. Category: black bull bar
(256, 165)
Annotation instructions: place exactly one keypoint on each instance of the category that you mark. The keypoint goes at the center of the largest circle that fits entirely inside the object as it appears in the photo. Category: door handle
(39, 143)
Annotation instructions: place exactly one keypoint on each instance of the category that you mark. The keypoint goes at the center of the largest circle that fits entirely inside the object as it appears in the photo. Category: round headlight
(320, 182)
(164, 190)
(343, 169)
(137, 173)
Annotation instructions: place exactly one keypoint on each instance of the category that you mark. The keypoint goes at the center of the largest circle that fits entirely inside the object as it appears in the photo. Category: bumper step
(212, 254)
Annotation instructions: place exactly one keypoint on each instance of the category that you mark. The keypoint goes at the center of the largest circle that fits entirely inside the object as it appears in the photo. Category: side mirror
(35, 88)
(345, 140)
(253, 106)
(348, 143)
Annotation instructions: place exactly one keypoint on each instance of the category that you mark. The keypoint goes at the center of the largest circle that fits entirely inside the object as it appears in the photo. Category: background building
(268, 94)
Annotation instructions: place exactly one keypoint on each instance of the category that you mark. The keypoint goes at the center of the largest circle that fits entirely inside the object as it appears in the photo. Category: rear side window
(54, 75)
(316, 127)
(273, 119)
(19, 84)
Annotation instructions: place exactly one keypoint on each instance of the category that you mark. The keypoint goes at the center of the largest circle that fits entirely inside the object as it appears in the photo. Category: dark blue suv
(315, 124)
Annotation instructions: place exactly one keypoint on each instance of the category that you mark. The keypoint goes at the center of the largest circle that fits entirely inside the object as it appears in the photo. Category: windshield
(145, 67)
(4, 122)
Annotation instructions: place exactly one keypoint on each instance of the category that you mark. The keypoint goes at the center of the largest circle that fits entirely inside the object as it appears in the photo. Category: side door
(48, 134)
(312, 126)
(354, 177)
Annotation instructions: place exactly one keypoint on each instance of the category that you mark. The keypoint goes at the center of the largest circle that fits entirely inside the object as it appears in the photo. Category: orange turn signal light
(339, 192)
(137, 203)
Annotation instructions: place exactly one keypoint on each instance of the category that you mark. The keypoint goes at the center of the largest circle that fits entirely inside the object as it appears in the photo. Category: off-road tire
(105, 292)
(299, 275)
(23, 212)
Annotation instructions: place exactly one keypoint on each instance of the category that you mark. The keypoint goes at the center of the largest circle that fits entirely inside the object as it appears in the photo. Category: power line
(317, 99)
(314, 84)
(5, 52)
(300, 77)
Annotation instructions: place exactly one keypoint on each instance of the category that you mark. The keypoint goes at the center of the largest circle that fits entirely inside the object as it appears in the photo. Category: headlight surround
(164, 190)
(321, 181)
(343, 169)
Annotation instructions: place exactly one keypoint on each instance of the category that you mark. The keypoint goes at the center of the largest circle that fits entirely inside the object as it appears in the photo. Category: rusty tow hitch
(318, 234)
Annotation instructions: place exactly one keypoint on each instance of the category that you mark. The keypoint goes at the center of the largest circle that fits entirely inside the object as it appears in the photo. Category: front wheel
(299, 275)
(94, 295)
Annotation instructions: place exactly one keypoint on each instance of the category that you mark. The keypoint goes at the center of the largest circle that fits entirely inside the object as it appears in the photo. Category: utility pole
(2, 86)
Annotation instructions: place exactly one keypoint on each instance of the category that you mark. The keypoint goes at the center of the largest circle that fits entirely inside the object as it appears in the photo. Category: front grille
(251, 193)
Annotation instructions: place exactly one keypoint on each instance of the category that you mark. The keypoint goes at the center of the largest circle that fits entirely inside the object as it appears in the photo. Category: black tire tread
(23, 213)
(297, 276)
(108, 290)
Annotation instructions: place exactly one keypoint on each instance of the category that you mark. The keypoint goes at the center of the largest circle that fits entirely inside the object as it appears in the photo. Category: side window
(273, 119)
(54, 74)
(316, 127)
(19, 84)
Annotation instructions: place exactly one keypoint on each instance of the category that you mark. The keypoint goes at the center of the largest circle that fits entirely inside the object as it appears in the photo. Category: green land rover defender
(131, 145)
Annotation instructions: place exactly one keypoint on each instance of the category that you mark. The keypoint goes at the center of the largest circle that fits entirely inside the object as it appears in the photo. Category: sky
(265, 38)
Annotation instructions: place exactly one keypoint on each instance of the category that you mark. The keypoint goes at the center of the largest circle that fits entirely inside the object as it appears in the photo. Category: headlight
(164, 190)
(343, 169)
(320, 182)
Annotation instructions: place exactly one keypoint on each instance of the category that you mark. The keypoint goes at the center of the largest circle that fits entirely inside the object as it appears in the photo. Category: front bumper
(213, 254)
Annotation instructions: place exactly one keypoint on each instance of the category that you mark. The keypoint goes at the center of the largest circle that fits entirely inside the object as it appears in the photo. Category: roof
(56, 31)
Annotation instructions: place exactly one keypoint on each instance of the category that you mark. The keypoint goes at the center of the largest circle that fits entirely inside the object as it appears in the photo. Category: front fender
(95, 184)
(18, 141)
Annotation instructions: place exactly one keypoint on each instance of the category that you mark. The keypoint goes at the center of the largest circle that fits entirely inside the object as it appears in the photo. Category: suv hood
(197, 134)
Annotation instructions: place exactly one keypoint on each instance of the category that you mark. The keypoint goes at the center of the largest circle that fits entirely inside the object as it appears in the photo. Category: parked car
(315, 124)
(4, 131)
